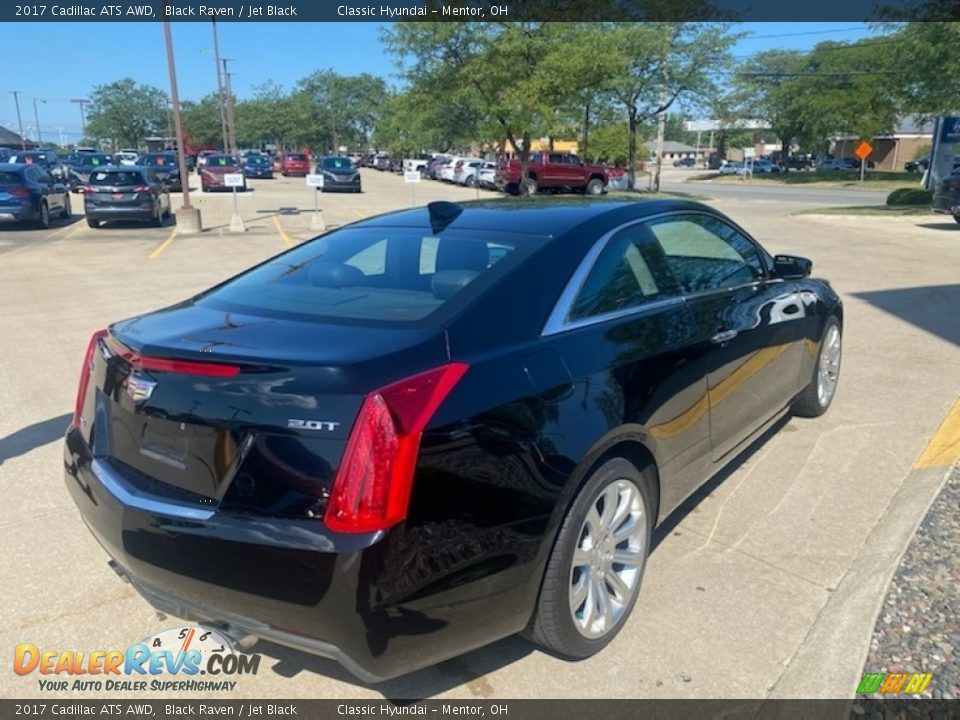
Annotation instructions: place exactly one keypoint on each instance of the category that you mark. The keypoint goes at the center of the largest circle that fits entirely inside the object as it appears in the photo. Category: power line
(810, 32)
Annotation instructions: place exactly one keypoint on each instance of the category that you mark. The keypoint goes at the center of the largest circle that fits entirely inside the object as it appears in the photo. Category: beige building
(892, 150)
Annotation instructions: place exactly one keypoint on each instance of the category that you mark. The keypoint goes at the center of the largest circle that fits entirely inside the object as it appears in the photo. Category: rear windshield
(381, 276)
(10, 178)
(257, 160)
(296, 157)
(163, 159)
(117, 178)
(94, 160)
(337, 163)
(222, 161)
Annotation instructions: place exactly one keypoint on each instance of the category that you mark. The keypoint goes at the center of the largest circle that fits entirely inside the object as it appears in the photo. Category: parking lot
(766, 583)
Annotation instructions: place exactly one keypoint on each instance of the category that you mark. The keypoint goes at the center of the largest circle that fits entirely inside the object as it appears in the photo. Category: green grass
(883, 210)
(873, 180)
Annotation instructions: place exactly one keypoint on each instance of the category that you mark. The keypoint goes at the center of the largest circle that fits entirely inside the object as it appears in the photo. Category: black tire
(594, 187)
(43, 220)
(810, 402)
(552, 625)
(957, 218)
(93, 223)
(529, 186)
(471, 182)
(169, 211)
(66, 212)
(157, 220)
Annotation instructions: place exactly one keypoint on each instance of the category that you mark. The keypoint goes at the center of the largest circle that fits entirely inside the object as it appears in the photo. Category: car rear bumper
(17, 214)
(286, 580)
(100, 212)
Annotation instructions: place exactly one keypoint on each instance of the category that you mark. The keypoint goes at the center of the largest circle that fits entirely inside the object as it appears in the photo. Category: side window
(704, 253)
(557, 158)
(372, 260)
(620, 278)
(428, 255)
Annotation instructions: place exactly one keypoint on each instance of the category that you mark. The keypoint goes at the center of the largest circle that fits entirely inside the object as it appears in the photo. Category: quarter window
(619, 279)
(704, 253)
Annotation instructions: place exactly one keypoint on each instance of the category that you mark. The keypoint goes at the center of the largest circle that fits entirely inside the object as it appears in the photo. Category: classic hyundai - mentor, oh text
(420, 433)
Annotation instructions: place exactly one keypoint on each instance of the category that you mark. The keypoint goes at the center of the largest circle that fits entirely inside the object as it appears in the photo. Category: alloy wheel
(828, 369)
(608, 559)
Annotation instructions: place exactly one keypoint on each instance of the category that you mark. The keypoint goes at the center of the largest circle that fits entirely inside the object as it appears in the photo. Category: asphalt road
(793, 195)
(766, 583)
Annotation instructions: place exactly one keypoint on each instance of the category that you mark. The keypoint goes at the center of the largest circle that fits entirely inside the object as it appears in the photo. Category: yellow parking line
(943, 450)
(359, 214)
(163, 246)
(287, 240)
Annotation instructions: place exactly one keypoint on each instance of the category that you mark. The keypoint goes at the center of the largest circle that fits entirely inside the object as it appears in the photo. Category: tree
(927, 54)
(488, 67)
(650, 67)
(126, 112)
(201, 121)
(344, 107)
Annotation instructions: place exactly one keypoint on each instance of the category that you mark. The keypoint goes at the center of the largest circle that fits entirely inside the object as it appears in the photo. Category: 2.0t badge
(312, 424)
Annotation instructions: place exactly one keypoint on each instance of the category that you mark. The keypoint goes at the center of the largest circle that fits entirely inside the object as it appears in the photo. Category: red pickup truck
(558, 172)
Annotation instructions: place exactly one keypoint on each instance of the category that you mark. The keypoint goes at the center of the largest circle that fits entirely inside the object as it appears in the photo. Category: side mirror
(792, 267)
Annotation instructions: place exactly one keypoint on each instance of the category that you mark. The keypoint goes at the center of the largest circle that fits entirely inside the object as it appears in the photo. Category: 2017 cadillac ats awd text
(428, 430)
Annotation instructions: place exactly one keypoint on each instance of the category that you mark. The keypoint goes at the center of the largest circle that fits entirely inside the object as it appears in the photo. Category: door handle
(724, 336)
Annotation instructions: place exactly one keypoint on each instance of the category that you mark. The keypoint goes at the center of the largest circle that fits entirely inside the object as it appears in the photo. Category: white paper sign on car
(411, 176)
(315, 181)
(233, 180)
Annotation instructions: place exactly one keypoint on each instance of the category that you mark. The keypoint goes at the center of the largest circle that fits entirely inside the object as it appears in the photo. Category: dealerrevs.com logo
(180, 659)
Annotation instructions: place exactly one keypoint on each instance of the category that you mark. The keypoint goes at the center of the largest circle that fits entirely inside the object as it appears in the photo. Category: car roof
(544, 217)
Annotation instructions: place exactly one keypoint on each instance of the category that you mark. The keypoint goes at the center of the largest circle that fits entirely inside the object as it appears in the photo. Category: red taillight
(85, 377)
(142, 189)
(372, 488)
(183, 367)
(89, 189)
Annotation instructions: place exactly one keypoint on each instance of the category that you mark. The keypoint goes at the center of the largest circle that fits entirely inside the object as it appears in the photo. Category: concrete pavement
(763, 584)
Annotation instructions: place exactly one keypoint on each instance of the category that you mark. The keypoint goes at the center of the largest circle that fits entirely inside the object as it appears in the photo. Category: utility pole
(220, 99)
(83, 117)
(231, 120)
(60, 130)
(188, 217)
(661, 129)
(16, 100)
(36, 119)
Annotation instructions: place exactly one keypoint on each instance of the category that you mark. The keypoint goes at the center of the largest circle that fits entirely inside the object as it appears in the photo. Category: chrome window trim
(558, 320)
(117, 487)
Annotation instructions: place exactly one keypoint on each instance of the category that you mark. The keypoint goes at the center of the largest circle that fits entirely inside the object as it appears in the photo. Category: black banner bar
(479, 10)
(488, 709)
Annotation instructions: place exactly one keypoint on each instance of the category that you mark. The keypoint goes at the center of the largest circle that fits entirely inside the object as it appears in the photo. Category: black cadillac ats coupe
(428, 430)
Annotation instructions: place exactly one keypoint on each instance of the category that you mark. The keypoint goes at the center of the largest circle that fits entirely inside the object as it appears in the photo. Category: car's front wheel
(594, 187)
(818, 394)
(957, 218)
(594, 573)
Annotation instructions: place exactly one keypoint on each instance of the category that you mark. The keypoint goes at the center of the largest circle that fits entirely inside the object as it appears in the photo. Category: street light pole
(220, 99)
(188, 217)
(231, 121)
(16, 100)
(36, 119)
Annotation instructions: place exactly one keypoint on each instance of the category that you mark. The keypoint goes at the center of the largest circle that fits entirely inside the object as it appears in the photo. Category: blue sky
(284, 52)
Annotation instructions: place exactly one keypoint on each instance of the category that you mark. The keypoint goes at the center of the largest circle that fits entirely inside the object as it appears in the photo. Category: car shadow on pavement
(468, 669)
(671, 522)
(22, 441)
(951, 226)
(932, 308)
(55, 224)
